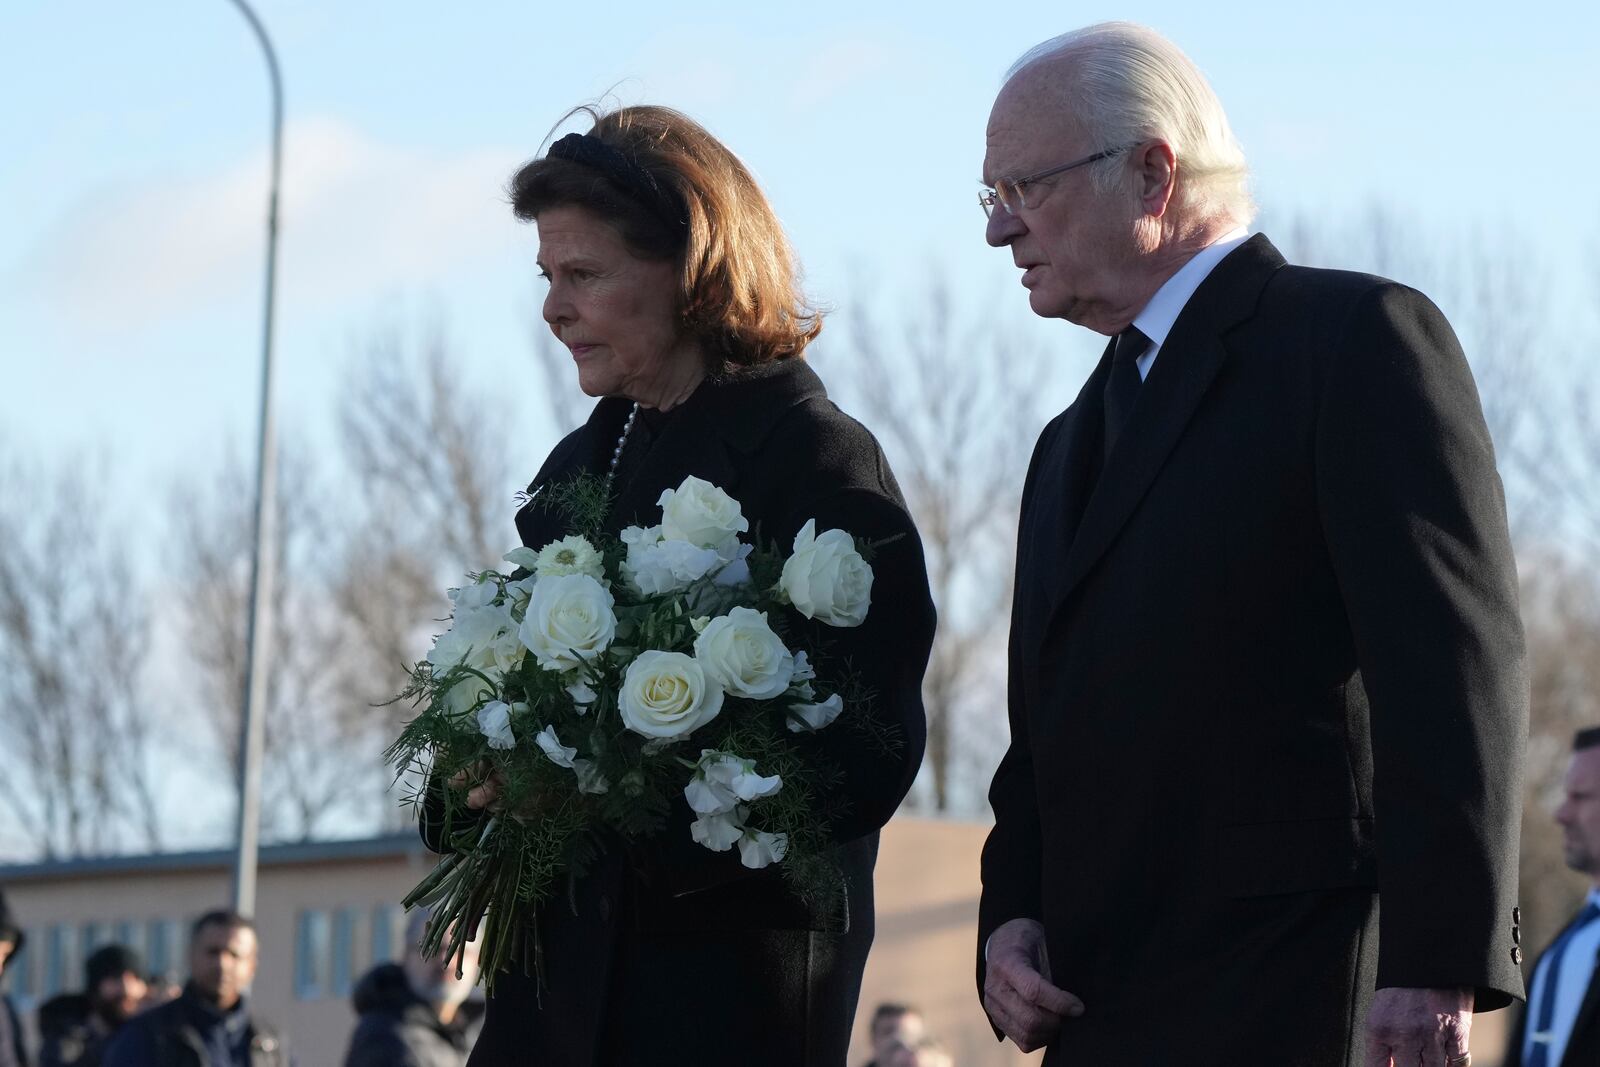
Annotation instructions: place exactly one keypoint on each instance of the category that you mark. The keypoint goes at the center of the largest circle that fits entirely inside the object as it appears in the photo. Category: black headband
(590, 151)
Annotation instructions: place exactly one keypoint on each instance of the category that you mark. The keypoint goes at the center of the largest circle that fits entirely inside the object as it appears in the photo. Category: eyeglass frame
(990, 195)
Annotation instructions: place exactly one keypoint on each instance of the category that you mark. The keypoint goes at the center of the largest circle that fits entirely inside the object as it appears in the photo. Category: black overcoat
(1266, 670)
(670, 954)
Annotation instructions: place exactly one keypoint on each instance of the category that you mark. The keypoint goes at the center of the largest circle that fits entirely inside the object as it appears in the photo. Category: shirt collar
(1156, 320)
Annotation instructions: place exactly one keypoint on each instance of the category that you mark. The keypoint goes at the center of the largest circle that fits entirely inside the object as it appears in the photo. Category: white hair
(1128, 84)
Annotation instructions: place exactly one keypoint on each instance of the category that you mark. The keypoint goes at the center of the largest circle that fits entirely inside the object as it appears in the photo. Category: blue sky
(130, 261)
(135, 157)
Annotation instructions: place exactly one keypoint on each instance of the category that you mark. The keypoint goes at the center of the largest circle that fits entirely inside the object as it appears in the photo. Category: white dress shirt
(1156, 320)
(1577, 970)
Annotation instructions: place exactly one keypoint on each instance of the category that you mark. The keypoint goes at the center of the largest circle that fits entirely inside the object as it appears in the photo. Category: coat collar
(1190, 360)
(726, 417)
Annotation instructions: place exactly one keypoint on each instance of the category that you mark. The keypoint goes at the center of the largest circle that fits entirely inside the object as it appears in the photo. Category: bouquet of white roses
(602, 678)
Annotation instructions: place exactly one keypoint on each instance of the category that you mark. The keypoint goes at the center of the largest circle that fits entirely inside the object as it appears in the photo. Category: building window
(19, 968)
(311, 955)
(344, 951)
(94, 935)
(61, 952)
(161, 956)
(130, 935)
(388, 934)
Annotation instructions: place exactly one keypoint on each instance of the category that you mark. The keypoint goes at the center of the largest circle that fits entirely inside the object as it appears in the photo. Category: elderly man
(1561, 1027)
(1266, 660)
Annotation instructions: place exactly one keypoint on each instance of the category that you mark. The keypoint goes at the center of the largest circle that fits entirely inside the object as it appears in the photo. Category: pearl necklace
(616, 453)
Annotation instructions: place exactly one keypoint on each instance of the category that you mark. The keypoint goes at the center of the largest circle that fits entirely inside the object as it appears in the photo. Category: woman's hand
(485, 794)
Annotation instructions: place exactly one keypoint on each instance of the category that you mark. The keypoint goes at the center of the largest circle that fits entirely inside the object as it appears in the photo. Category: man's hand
(1017, 992)
(1419, 1026)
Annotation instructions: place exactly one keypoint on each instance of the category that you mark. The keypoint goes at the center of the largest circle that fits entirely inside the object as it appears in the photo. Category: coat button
(1516, 956)
(1516, 916)
(1516, 935)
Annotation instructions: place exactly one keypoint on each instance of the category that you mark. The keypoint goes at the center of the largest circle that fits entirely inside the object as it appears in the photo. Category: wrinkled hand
(1429, 1027)
(1017, 992)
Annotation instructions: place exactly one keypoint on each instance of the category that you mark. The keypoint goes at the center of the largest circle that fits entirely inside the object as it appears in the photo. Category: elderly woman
(672, 284)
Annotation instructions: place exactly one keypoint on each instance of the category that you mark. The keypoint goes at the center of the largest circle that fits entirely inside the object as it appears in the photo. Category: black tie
(1122, 387)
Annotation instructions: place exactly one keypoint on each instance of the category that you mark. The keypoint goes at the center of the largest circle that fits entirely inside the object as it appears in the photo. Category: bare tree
(1561, 610)
(74, 633)
(308, 774)
(432, 460)
(954, 405)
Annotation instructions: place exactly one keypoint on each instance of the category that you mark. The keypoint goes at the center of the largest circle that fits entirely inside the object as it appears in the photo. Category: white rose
(812, 717)
(757, 849)
(723, 781)
(667, 695)
(717, 832)
(569, 620)
(570, 555)
(494, 722)
(466, 693)
(703, 515)
(742, 654)
(826, 579)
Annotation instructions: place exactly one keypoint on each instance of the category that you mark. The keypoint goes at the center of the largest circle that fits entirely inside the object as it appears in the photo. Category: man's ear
(1156, 165)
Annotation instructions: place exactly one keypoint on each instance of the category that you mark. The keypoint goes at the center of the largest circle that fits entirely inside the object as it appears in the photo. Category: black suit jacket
(668, 953)
(1263, 666)
(1583, 1044)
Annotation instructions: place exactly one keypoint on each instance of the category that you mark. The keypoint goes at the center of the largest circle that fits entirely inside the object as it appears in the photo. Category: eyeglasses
(1007, 192)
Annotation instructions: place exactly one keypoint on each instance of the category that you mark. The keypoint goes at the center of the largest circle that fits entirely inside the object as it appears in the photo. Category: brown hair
(739, 292)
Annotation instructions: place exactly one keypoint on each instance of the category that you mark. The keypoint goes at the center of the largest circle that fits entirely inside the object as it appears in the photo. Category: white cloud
(357, 216)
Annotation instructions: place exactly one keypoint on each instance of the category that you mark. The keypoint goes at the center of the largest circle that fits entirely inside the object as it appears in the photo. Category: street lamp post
(258, 655)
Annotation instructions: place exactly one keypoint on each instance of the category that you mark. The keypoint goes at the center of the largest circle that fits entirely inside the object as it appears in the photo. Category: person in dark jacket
(77, 1027)
(12, 1054)
(210, 1024)
(673, 286)
(416, 1013)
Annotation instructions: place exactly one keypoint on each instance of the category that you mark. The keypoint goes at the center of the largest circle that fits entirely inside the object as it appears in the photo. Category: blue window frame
(311, 955)
(344, 952)
(61, 951)
(161, 950)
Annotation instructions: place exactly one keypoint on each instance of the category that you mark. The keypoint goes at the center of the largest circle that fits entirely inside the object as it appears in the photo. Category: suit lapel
(1066, 484)
(1184, 369)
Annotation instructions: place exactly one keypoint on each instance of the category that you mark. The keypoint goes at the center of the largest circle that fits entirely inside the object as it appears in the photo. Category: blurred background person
(894, 1026)
(416, 1013)
(210, 1024)
(12, 1053)
(1561, 1025)
(924, 1052)
(159, 989)
(75, 1028)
